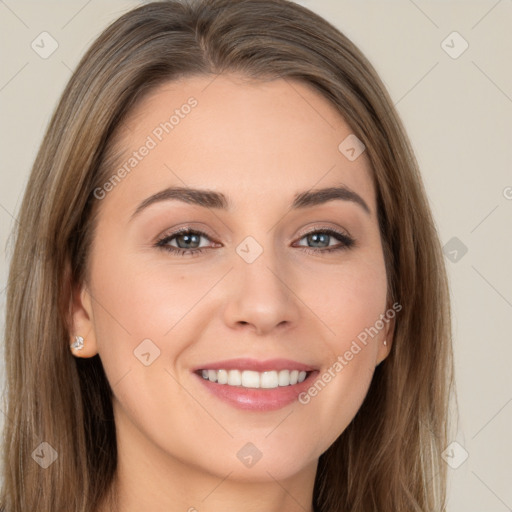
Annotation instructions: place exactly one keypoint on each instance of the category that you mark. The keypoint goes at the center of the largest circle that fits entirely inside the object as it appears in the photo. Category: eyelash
(346, 242)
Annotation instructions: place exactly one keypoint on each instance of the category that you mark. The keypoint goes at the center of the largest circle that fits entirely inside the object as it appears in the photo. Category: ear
(387, 335)
(81, 320)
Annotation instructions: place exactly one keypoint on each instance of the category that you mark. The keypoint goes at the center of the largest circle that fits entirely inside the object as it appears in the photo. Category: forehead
(245, 137)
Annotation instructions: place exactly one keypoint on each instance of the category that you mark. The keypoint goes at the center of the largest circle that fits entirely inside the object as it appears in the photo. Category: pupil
(187, 239)
(319, 238)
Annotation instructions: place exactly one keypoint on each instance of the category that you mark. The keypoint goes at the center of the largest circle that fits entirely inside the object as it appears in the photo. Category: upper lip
(255, 365)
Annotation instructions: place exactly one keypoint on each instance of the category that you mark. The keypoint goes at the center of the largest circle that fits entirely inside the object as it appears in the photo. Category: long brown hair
(388, 459)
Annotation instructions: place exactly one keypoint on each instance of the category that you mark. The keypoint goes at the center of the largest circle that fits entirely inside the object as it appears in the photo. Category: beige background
(458, 113)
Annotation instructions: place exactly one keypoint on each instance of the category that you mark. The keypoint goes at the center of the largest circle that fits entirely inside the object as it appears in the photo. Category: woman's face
(273, 282)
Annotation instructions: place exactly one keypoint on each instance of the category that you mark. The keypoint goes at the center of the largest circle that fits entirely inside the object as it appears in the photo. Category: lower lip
(258, 399)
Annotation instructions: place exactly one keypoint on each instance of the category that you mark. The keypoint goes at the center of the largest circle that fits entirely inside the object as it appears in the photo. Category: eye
(321, 241)
(188, 242)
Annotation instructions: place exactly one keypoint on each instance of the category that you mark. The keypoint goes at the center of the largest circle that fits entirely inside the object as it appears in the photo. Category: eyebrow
(212, 199)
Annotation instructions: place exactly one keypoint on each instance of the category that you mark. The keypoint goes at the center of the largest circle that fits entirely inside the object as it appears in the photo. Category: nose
(262, 296)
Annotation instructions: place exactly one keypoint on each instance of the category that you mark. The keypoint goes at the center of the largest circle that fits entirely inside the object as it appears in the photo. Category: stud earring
(78, 344)
(385, 342)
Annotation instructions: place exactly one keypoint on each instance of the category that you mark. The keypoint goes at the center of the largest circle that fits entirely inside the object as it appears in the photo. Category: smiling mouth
(256, 380)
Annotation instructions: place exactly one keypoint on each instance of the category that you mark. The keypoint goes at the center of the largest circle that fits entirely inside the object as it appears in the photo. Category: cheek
(140, 316)
(132, 312)
(349, 300)
(351, 303)
(146, 317)
(136, 301)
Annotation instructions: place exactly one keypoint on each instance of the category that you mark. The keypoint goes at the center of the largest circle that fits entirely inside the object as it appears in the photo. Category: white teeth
(269, 380)
(252, 379)
(284, 378)
(234, 378)
(222, 377)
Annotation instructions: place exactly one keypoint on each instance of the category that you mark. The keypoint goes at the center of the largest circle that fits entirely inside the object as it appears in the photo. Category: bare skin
(259, 144)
